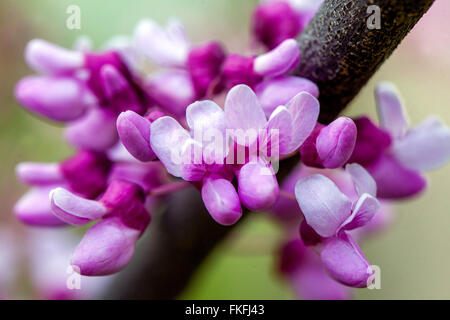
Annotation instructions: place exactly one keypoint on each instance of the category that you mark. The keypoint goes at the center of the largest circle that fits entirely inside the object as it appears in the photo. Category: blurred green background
(414, 254)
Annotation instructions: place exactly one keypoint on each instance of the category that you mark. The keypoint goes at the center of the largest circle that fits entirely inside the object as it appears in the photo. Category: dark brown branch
(340, 54)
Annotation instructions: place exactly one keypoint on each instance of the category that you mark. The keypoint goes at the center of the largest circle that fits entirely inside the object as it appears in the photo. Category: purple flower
(394, 154)
(84, 174)
(280, 135)
(84, 89)
(107, 246)
(192, 156)
(193, 72)
(329, 214)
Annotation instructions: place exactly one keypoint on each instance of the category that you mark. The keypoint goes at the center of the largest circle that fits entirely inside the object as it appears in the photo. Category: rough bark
(340, 54)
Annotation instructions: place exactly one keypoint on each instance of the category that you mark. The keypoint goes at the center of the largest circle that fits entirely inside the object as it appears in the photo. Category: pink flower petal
(41, 174)
(278, 91)
(336, 142)
(304, 109)
(279, 130)
(169, 141)
(363, 181)
(279, 60)
(324, 206)
(258, 186)
(96, 130)
(243, 111)
(395, 181)
(425, 147)
(390, 109)
(345, 261)
(167, 48)
(73, 209)
(57, 98)
(365, 209)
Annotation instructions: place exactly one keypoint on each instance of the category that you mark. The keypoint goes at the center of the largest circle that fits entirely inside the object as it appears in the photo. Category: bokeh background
(413, 254)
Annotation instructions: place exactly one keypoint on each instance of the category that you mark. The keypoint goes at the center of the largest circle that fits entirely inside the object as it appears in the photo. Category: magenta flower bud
(221, 200)
(278, 91)
(273, 22)
(39, 174)
(308, 150)
(126, 200)
(113, 82)
(34, 209)
(279, 60)
(134, 132)
(73, 209)
(239, 70)
(258, 186)
(336, 142)
(371, 142)
(95, 131)
(205, 65)
(106, 248)
(119, 91)
(86, 173)
(46, 57)
(56, 98)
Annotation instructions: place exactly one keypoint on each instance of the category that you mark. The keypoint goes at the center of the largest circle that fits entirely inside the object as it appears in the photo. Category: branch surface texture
(340, 54)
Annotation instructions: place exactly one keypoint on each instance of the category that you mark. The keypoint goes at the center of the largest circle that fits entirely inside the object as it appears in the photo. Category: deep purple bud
(221, 200)
(114, 85)
(205, 64)
(370, 142)
(258, 186)
(86, 173)
(73, 209)
(134, 132)
(273, 22)
(126, 200)
(119, 91)
(292, 255)
(345, 261)
(308, 150)
(308, 235)
(278, 91)
(336, 142)
(239, 70)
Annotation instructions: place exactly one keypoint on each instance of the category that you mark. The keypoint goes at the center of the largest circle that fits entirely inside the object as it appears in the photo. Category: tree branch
(340, 54)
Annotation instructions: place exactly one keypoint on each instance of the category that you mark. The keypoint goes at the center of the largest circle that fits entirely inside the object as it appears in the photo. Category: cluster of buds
(137, 134)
